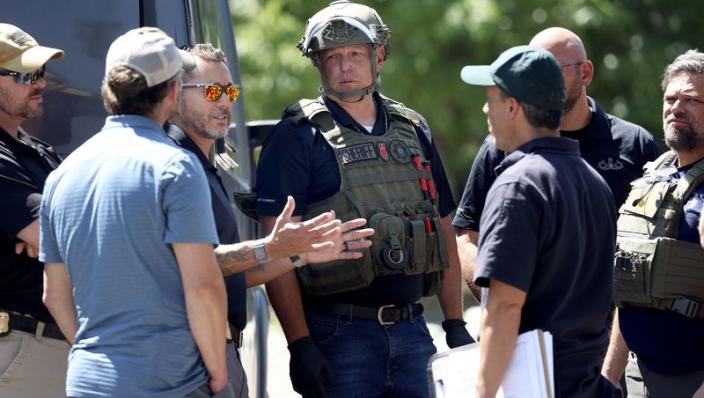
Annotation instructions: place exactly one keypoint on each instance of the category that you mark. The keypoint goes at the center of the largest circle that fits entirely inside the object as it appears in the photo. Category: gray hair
(208, 53)
(691, 62)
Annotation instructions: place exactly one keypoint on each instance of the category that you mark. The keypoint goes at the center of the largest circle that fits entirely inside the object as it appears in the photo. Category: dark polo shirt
(615, 148)
(297, 160)
(549, 229)
(24, 166)
(225, 224)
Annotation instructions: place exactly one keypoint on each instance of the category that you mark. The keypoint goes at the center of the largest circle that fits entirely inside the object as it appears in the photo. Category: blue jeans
(370, 360)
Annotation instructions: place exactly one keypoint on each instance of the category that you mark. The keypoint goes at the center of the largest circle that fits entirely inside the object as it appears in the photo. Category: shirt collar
(142, 123)
(184, 141)
(537, 145)
(342, 117)
(598, 127)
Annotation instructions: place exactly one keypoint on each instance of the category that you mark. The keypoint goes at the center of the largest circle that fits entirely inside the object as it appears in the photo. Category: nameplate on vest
(357, 153)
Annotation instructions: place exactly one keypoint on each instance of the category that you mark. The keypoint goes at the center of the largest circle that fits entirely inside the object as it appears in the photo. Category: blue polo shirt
(226, 225)
(297, 160)
(549, 229)
(615, 148)
(665, 341)
(111, 212)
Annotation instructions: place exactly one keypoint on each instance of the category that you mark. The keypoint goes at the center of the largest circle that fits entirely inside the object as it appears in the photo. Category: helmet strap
(346, 96)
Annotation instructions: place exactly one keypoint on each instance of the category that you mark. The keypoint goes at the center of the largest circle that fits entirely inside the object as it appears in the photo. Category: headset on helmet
(344, 23)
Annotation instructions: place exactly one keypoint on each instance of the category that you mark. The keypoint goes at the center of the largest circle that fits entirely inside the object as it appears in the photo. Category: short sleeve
(480, 179)
(285, 168)
(20, 200)
(186, 203)
(48, 246)
(508, 243)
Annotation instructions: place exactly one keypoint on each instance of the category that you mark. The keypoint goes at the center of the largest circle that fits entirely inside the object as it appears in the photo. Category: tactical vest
(380, 182)
(652, 268)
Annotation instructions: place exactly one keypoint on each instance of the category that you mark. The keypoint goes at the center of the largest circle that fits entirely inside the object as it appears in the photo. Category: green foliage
(629, 41)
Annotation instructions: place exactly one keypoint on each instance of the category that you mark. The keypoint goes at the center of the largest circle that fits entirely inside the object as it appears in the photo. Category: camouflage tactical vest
(652, 269)
(380, 182)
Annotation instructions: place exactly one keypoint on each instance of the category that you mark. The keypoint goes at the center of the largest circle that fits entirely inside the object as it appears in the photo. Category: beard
(573, 94)
(685, 140)
(198, 122)
(20, 107)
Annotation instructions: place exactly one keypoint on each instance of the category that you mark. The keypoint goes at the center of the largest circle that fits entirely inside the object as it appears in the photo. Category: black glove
(309, 369)
(455, 333)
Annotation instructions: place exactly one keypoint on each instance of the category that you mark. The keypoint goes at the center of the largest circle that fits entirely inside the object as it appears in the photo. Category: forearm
(467, 241)
(239, 257)
(497, 341)
(450, 294)
(267, 271)
(58, 298)
(616, 355)
(206, 309)
(285, 297)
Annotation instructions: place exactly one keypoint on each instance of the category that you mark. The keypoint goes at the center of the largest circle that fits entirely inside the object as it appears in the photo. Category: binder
(530, 373)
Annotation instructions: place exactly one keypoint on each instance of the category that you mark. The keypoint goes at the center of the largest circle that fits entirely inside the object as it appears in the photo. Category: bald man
(614, 147)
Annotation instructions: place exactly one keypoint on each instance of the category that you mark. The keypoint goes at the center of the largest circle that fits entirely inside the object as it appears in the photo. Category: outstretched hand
(290, 238)
(346, 246)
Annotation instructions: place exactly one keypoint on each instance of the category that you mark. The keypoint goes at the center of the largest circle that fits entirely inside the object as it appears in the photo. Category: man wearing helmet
(356, 327)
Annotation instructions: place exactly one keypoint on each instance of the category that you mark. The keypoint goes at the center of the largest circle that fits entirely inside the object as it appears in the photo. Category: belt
(234, 335)
(386, 314)
(10, 321)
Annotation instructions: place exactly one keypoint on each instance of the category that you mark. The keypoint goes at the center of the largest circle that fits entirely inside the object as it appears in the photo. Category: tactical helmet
(344, 23)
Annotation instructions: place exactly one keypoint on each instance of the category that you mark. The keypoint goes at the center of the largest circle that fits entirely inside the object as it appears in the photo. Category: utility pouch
(442, 243)
(632, 271)
(417, 246)
(388, 243)
(678, 269)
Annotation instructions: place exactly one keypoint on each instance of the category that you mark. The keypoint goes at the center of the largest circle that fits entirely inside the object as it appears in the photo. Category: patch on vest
(383, 153)
(399, 151)
(357, 153)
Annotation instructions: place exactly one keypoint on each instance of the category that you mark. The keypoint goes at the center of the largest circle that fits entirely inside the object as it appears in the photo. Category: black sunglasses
(25, 78)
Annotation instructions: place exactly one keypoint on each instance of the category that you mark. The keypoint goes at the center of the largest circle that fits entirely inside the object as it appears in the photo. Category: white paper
(454, 373)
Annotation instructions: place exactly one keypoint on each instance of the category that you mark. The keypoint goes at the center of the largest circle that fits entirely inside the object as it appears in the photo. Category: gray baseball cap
(149, 51)
(530, 74)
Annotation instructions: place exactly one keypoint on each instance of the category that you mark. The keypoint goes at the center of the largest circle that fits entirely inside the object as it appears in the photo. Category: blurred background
(629, 42)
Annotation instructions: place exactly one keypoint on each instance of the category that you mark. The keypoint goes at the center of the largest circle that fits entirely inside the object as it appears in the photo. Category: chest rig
(652, 268)
(381, 182)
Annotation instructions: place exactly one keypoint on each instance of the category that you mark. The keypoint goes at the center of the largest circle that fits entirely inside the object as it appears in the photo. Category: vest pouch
(389, 250)
(336, 276)
(646, 199)
(632, 266)
(441, 251)
(417, 246)
(431, 283)
(678, 269)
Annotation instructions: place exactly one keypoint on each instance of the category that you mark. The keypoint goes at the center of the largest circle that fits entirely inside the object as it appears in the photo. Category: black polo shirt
(24, 166)
(615, 148)
(549, 229)
(225, 224)
(297, 160)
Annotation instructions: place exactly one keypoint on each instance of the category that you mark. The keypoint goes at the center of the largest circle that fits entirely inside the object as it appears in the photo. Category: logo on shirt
(610, 164)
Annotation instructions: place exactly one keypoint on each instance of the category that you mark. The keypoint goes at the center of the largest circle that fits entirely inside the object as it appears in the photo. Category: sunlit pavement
(278, 382)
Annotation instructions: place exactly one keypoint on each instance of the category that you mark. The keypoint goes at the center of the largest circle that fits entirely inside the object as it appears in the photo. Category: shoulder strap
(665, 160)
(690, 182)
(398, 110)
(313, 111)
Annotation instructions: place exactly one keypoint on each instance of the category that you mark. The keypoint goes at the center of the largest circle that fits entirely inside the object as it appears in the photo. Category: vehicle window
(73, 108)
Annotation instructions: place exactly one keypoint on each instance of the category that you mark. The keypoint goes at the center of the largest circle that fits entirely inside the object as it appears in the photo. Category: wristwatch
(297, 261)
(260, 253)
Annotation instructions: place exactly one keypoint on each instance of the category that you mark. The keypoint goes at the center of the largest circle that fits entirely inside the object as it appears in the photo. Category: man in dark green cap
(547, 231)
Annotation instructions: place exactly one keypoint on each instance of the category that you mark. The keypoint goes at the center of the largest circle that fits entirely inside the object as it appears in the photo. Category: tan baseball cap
(149, 51)
(19, 52)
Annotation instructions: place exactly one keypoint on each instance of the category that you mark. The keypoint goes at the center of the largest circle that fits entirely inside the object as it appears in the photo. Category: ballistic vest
(652, 268)
(380, 182)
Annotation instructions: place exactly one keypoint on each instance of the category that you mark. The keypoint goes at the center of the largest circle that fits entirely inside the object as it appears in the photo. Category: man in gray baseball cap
(547, 231)
(127, 238)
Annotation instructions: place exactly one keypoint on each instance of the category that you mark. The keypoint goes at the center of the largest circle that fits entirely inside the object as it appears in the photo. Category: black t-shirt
(24, 166)
(225, 224)
(549, 229)
(297, 160)
(615, 148)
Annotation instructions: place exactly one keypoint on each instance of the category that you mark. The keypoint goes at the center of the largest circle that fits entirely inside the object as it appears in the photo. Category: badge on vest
(357, 153)
(399, 151)
(383, 153)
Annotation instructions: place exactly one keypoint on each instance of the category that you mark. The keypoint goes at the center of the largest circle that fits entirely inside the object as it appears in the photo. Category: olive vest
(380, 182)
(652, 268)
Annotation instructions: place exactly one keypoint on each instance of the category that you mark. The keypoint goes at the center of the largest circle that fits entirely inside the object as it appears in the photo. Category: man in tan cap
(32, 348)
(127, 237)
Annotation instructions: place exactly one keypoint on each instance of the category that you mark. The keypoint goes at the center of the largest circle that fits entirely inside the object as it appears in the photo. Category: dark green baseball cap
(530, 74)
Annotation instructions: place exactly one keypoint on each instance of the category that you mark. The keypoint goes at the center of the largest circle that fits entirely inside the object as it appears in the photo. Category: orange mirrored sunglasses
(213, 91)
